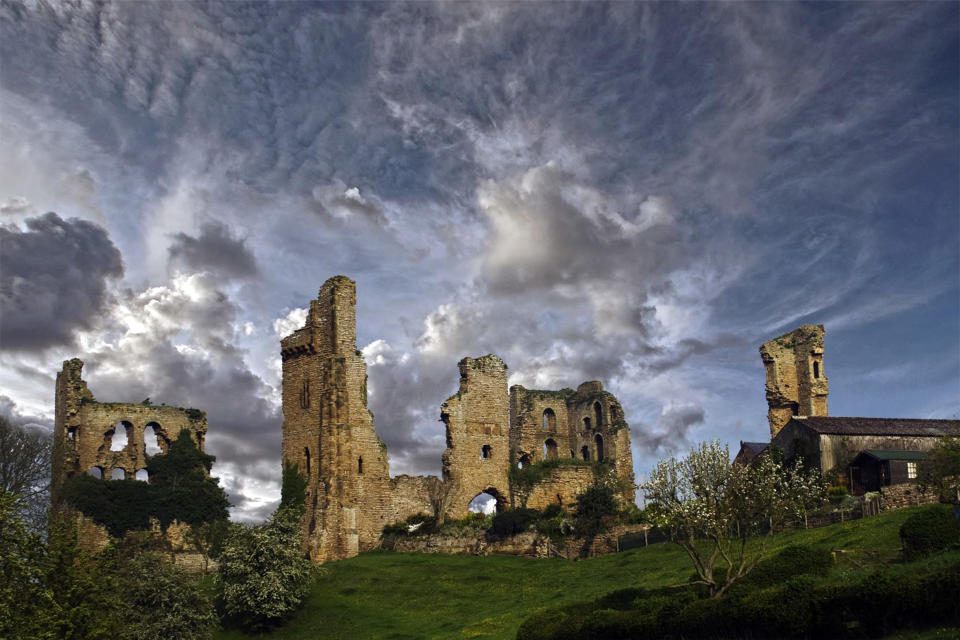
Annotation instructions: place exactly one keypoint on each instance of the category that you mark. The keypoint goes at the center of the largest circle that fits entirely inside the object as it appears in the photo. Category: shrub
(263, 576)
(931, 529)
(513, 521)
(792, 561)
(593, 505)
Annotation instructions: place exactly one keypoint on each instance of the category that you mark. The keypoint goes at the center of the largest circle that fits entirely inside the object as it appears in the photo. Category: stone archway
(481, 503)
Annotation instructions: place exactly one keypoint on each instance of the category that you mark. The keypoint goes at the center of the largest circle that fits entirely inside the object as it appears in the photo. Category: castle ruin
(796, 384)
(329, 432)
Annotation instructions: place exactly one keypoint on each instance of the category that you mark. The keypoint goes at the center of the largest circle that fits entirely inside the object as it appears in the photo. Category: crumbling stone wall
(796, 383)
(593, 428)
(477, 421)
(83, 436)
(84, 430)
(329, 433)
(561, 487)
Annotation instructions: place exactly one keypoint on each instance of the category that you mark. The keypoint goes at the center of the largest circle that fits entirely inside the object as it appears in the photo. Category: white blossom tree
(711, 507)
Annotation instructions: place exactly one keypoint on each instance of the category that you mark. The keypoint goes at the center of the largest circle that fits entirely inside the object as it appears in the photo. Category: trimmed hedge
(801, 607)
(933, 529)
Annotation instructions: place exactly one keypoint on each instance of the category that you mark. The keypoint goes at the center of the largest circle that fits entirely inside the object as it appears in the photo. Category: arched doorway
(488, 502)
(550, 449)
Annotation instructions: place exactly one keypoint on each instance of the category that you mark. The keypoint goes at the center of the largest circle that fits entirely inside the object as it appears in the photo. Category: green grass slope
(406, 595)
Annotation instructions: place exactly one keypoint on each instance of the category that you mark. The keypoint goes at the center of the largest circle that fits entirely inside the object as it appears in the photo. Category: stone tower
(796, 384)
(328, 431)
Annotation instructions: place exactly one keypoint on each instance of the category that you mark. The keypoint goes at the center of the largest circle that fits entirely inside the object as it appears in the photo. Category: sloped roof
(879, 426)
(893, 454)
(755, 447)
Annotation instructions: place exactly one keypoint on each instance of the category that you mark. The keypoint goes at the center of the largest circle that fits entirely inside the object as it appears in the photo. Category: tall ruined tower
(796, 384)
(328, 431)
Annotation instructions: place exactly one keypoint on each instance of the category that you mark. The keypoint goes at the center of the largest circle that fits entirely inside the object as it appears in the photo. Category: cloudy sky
(640, 194)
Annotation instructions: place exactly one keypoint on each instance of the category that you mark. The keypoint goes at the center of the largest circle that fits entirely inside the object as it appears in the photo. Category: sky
(635, 193)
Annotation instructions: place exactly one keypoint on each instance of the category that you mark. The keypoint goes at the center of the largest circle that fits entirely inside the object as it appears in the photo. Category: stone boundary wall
(561, 487)
(900, 496)
(528, 544)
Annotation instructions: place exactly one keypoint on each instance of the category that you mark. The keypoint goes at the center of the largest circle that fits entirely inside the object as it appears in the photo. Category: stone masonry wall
(796, 383)
(84, 430)
(477, 458)
(562, 487)
(329, 433)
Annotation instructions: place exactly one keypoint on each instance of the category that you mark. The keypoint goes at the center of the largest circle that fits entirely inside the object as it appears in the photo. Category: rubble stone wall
(796, 382)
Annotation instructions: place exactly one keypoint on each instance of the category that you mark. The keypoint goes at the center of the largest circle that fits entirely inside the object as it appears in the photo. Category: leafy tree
(595, 504)
(22, 592)
(710, 507)
(263, 575)
(25, 471)
(166, 603)
(941, 471)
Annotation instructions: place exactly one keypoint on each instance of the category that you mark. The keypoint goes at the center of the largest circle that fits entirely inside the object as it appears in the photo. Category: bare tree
(439, 493)
(25, 470)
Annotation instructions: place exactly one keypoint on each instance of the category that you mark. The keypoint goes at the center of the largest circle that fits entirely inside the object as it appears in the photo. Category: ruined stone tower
(796, 384)
(328, 431)
(477, 420)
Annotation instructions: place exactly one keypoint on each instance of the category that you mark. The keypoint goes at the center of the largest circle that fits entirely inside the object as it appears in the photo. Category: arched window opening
(96, 472)
(586, 424)
(487, 452)
(119, 438)
(598, 414)
(549, 420)
(550, 449)
(795, 408)
(306, 454)
(487, 502)
(142, 475)
(360, 465)
(599, 442)
(151, 439)
(118, 474)
(816, 369)
(524, 460)
(585, 452)
(72, 433)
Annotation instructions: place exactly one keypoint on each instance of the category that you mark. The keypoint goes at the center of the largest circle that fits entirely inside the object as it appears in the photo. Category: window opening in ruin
(142, 475)
(118, 474)
(795, 408)
(816, 369)
(485, 502)
(599, 442)
(585, 452)
(549, 420)
(550, 449)
(598, 412)
(306, 453)
(586, 424)
(96, 472)
(72, 433)
(119, 438)
(487, 452)
(524, 460)
(360, 464)
(151, 439)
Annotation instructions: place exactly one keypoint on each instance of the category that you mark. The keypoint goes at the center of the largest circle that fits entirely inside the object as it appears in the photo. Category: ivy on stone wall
(179, 489)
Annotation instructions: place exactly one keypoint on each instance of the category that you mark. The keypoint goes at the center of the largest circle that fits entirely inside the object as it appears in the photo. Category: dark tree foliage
(293, 490)
(179, 489)
(593, 505)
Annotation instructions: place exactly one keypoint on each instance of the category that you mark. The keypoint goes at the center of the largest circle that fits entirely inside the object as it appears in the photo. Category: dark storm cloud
(215, 249)
(53, 280)
(38, 424)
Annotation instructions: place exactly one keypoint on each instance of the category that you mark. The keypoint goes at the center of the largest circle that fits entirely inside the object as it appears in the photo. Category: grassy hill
(408, 595)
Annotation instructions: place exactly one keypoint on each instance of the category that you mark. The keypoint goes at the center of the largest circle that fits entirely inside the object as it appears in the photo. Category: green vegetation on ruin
(408, 595)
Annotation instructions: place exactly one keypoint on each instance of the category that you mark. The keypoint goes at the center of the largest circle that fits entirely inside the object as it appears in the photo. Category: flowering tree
(710, 507)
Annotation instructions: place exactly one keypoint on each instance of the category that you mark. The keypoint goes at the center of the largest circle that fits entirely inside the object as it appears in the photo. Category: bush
(513, 521)
(792, 561)
(263, 576)
(932, 529)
